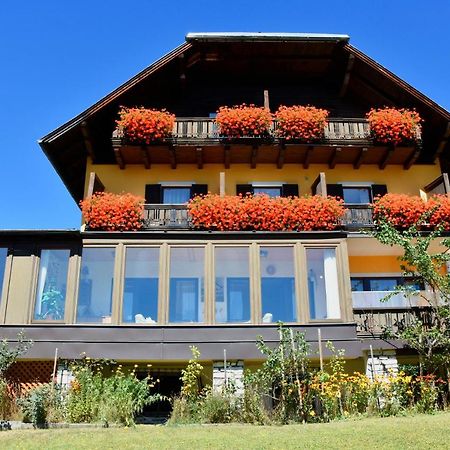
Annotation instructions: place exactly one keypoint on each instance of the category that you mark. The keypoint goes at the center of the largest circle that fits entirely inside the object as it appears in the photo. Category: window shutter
(378, 190)
(153, 193)
(199, 189)
(244, 189)
(289, 190)
(335, 190)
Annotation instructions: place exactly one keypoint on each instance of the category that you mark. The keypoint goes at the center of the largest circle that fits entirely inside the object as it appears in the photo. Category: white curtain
(331, 284)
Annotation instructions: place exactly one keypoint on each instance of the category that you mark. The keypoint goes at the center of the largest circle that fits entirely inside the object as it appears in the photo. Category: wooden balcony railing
(158, 216)
(337, 129)
(380, 321)
(358, 216)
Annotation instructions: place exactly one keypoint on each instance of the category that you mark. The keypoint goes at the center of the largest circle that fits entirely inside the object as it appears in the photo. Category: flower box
(394, 126)
(145, 126)
(105, 211)
(243, 121)
(302, 123)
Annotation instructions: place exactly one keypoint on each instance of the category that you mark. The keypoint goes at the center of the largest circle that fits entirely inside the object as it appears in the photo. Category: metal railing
(380, 321)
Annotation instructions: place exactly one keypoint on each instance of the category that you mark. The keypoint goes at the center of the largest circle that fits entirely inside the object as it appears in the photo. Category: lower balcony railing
(358, 216)
(379, 321)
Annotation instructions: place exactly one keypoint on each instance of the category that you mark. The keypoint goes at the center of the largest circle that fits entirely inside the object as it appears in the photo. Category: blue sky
(57, 58)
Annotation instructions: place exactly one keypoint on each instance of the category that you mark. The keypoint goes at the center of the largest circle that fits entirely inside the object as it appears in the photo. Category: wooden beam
(351, 60)
(227, 156)
(199, 156)
(387, 157)
(360, 158)
(254, 156)
(87, 139)
(222, 184)
(308, 155)
(281, 156)
(444, 140)
(173, 157)
(266, 99)
(413, 157)
(145, 157)
(334, 157)
(95, 185)
(119, 157)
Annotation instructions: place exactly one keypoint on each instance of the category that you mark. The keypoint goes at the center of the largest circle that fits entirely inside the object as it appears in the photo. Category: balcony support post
(412, 158)
(145, 157)
(227, 156)
(254, 156)
(173, 157)
(387, 157)
(334, 157)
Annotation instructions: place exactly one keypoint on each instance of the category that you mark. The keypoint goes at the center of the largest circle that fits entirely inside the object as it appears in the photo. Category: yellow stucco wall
(134, 177)
(374, 264)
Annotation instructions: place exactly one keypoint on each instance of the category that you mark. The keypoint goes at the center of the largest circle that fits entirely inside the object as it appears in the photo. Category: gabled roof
(67, 146)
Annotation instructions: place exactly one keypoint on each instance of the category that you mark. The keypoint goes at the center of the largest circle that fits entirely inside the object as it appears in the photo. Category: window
(140, 292)
(96, 285)
(186, 297)
(176, 195)
(232, 286)
(322, 283)
(278, 284)
(52, 284)
(270, 191)
(3, 255)
(357, 195)
(384, 284)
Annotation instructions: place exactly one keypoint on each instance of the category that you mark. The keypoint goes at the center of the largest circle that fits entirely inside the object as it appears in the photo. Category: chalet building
(146, 296)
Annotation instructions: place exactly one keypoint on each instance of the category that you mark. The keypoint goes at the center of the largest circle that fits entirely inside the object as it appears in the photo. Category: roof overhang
(265, 37)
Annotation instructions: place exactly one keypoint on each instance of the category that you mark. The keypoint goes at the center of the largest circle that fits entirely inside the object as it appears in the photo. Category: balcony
(196, 140)
(374, 316)
(176, 217)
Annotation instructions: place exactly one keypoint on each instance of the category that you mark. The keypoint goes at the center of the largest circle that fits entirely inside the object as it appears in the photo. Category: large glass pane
(96, 285)
(140, 293)
(3, 255)
(278, 284)
(176, 195)
(323, 283)
(232, 284)
(270, 191)
(52, 283)
(356, 195)
(383, 284)
(186, 298)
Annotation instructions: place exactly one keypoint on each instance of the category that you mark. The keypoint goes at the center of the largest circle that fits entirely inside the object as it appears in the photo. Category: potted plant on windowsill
(144, 126)
(243, 121)
(301, 123)
(394, 126)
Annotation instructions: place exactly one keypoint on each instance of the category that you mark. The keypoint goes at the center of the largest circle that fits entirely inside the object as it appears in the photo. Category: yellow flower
(312, 413)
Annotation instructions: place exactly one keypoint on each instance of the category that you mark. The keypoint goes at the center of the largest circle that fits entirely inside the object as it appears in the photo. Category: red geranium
(400, 210)
(261, 212)
(243, 120)
(301, 122)
(395, 126)
(439, 207)
(143, 126)
(113, 212)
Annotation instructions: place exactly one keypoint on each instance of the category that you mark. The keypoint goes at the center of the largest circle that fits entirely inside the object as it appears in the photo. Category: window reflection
(3, 255)
(52, 284)
(278, 284)
(96, 285)
(356, 195)
(232, 287)
(176, 195)
(186, 297)
(270, 191)
(322, 283)
(140, 296)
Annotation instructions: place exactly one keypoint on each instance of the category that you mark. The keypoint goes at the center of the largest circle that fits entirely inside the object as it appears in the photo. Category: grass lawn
(420, 431)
